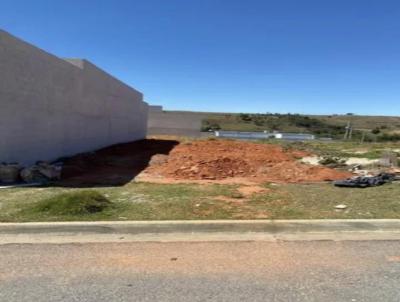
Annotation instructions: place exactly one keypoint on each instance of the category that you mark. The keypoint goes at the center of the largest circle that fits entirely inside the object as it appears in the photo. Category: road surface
(201, 271)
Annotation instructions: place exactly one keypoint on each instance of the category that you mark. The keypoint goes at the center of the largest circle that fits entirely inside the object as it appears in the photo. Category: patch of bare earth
(225, 161)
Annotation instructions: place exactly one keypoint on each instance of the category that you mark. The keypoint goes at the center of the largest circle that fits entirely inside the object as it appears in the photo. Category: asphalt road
(220, 271)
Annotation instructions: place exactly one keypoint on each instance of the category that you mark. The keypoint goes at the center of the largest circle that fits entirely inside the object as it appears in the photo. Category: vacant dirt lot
(156, 160)
(174, 178)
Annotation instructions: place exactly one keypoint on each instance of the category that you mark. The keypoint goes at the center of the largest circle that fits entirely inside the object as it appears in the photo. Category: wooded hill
(381, 128)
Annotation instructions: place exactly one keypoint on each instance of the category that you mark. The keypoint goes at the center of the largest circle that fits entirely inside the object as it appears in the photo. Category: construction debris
(50, 171)
(41, 172)
(32, 174)
(366, 181)
(9, 173)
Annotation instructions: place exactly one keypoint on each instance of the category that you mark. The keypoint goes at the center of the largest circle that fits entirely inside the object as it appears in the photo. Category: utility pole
(346, 134)
(363, 137)
(349, 131)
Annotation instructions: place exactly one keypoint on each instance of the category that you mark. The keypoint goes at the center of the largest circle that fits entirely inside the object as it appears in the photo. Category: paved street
(220, 271)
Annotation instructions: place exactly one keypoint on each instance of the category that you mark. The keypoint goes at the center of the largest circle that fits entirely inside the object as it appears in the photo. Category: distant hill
(371, 127)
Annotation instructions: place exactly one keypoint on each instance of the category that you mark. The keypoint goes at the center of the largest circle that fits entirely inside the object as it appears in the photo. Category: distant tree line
(276, 121)
(297, 122)
(210, 126)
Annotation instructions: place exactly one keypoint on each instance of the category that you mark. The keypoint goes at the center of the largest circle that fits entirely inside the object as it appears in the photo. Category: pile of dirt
(222, 159)
(167, 161)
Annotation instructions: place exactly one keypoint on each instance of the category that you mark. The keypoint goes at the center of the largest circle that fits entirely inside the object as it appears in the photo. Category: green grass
(71, 205)
(318, 201)
(135, 201)
(340, 148)
(144, 201)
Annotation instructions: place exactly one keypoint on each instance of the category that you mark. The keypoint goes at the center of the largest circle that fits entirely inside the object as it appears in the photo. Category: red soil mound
(220, 159)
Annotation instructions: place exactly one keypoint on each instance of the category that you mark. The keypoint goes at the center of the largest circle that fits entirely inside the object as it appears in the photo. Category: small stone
(341, 207)
(194, 169)
(158, 159)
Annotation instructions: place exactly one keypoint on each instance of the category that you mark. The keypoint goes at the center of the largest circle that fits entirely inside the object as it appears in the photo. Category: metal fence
(264, 135)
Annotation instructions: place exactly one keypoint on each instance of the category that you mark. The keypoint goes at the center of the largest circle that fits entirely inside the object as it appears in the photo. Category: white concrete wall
(50, 107)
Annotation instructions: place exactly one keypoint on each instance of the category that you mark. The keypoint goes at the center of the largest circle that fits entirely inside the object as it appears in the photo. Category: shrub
(332, 161)
(210, 126)
(386, 137)
(245, 117)
(259, 122)
(376, 130)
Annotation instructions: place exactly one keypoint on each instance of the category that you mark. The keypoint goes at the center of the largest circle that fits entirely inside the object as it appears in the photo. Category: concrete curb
(208, 226)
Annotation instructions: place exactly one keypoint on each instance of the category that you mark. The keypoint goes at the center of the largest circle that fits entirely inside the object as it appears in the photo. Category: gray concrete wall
(183, 123)
(50, 107)
(155, 108)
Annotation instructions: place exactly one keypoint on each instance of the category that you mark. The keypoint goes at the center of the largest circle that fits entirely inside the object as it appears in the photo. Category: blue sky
(230, 55)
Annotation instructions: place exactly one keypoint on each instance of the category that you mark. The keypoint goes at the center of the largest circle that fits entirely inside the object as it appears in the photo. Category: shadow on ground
(116, 165)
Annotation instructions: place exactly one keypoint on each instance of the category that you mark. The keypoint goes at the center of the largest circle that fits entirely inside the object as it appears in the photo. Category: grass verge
(144, 201)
